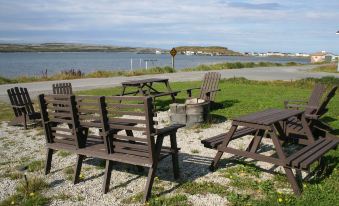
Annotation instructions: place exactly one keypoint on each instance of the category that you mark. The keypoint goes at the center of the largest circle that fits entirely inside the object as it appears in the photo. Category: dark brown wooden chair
(312, 104)
(62, 88)
(141, 145)
(313, 116)
(208, 88)
(22, 106)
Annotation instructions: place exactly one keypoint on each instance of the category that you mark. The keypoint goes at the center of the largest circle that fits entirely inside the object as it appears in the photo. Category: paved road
(259, 73)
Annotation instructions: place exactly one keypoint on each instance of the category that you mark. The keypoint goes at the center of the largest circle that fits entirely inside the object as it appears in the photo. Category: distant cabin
(322, 57)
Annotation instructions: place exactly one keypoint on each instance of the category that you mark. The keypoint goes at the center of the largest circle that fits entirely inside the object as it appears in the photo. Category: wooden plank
(320, 153)
(126, 120)
(139, 106)
(309, 152)
(130, 138)
(125, 127)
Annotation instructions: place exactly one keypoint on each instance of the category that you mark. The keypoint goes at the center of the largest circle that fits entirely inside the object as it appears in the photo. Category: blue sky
(289, 25)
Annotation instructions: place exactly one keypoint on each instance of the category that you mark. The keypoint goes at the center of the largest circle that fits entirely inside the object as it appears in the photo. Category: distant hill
(216, 50)
(64, 47)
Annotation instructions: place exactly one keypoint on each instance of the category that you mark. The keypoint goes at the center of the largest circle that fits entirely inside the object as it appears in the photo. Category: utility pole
(131, 64)
(337, 57)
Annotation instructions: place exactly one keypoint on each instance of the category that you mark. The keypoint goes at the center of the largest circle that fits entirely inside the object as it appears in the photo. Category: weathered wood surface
(208, 88)
(62, 88)
(22, 106)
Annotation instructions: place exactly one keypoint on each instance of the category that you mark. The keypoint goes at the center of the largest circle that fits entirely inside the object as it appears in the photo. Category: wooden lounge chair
(312, 104)
(313, 115)
(22, 106)
(62, 88)
(141, 146)
(208, 88)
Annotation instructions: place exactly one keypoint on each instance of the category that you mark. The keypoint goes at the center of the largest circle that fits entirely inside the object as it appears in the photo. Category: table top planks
(268, 117)
(143, 81)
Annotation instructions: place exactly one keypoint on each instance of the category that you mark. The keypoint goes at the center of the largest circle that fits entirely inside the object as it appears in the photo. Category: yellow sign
(173, 52)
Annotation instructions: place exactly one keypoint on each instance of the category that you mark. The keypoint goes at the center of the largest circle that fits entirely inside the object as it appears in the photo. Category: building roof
(322, 53)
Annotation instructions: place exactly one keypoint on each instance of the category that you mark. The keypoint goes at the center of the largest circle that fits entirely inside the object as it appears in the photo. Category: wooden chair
(22, 106)
(61, 126)
(312, 104)
(208, 88)
(313, 116)
(141, 146)
(62, 88)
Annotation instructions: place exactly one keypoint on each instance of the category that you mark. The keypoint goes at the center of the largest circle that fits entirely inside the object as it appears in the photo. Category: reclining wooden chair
(22, 106)
(312, 104)
(313, 116)
(62, 88)
(141, 146)
(208, 88)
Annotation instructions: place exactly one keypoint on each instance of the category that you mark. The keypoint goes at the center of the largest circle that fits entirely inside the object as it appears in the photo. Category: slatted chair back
(316, 97)
(19, 96)
(62, 88)
(210, 83)
(61, 122)
(91, 116)
(133, 114)
(323, 106)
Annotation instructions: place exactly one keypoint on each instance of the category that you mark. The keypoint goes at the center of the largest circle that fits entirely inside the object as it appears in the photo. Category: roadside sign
(173, 52)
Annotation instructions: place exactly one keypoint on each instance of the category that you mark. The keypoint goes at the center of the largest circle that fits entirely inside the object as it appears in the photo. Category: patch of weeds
(175, 200)
(241, 170)
(63, 153)
(281, 181)
(238, 199)
(204, 188)
(36, 165)
(69, 171)
(28, 194)
(195, 151)
(79, 198)
(11, 174)
(137, 198)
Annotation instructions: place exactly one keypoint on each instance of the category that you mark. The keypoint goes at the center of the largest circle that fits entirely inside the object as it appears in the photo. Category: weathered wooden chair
(313, 116)
(312, 104)
(141, 146)
(22, 106)
(62, 88)
(208, 88)
(55, 120)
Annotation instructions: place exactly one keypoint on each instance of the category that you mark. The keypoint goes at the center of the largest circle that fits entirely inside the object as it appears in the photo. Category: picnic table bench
(269, 123)
(145, 87)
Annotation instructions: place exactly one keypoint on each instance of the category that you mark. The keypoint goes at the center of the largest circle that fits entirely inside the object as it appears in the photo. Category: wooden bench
(214, 142)
(303, 158)
(140, 144)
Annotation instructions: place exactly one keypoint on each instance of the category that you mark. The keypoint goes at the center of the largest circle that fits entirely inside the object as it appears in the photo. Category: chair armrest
(293, 101)
(208, 93)
(168, 130)
(311, 116)
(189, 91)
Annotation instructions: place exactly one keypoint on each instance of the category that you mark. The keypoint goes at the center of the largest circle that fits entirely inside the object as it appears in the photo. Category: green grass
(28, 195)
(331, 68)
(63, 153)
(194, 188)
(36, 165)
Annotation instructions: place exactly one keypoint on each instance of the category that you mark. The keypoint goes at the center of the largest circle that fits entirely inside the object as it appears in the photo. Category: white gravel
(16, 144)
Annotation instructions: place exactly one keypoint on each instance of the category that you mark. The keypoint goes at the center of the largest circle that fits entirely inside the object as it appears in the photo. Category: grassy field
(239, 97)
(331, 68)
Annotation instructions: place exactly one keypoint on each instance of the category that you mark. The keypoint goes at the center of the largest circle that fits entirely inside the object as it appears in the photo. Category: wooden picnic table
(145, 87)
(269, 123)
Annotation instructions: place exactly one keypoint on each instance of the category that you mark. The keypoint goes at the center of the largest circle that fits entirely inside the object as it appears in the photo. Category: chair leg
(48, 163)
(25, 121)
(108, 174)
(215, 161)
(150, 180)
(175, 159)
(80, 159)
(293, 181)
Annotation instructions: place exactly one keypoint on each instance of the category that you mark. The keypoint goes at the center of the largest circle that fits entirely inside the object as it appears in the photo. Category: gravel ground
(18, 145)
